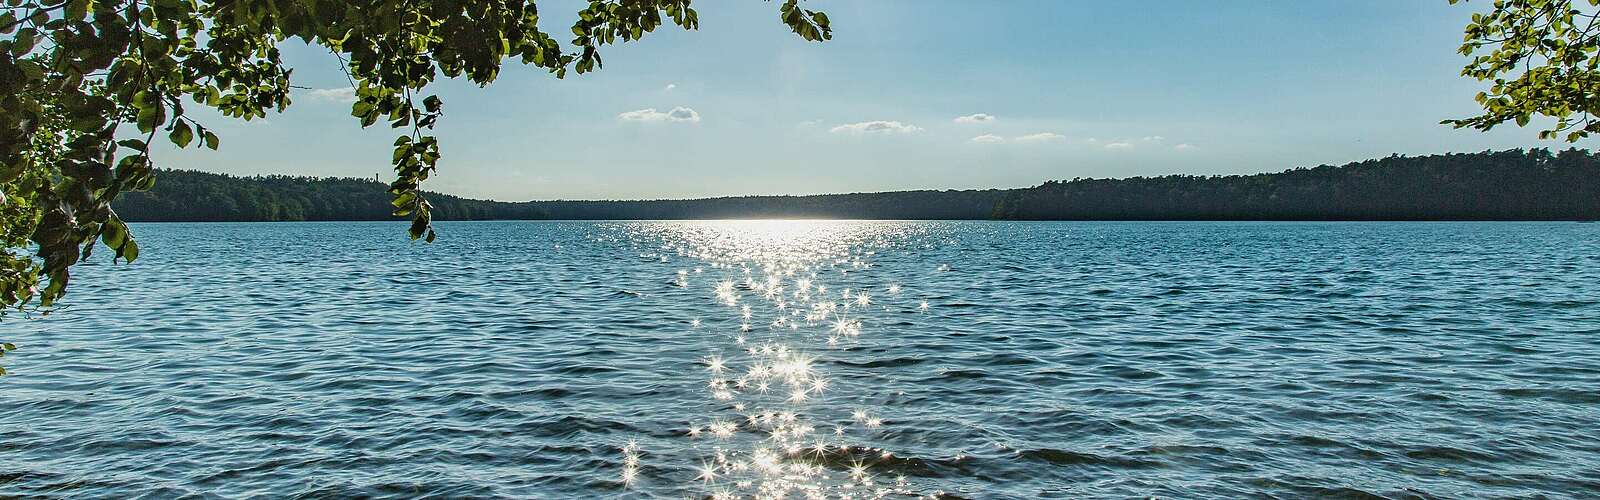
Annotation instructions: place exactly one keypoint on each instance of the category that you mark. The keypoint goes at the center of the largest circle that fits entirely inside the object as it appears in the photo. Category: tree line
(1505, 185)
(195, 196)
(190, 195)
(1515, 184)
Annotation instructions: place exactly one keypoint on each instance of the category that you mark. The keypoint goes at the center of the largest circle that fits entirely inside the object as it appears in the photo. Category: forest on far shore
(1516, 184)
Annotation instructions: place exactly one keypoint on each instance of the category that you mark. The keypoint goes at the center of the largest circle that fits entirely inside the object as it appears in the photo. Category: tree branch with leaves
(1539, 59)
(86, 86)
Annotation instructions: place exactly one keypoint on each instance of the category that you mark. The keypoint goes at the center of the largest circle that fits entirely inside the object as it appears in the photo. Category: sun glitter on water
(776, 427)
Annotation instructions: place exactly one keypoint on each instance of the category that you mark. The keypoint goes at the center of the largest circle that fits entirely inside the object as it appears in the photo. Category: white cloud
(988, 139)
(876, 127)
(1119, 145)
(343, 94)
(975, 118)
(678, 114)
(669, 86)
(1040, 137)
(1091, 140)
(682, 114)
(1183, 147)
(1154, 138)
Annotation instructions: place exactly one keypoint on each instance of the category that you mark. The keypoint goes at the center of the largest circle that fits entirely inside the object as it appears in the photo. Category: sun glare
(776, 425)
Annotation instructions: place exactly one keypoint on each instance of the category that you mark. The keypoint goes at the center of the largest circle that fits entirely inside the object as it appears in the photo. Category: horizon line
(374, 179)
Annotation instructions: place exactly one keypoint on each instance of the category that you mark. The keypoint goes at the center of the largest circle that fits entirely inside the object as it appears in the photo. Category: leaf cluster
(1539, 59)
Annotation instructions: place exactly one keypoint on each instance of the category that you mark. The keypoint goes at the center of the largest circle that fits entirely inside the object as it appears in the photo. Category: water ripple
(1008, 360)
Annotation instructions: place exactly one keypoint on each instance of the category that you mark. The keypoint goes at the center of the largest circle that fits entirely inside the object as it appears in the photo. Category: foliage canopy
(1539, 58)
(79, 77)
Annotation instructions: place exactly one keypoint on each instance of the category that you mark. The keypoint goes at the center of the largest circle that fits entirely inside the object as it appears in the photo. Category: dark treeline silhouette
(1506, 185)
(188, 195)
(970, 204)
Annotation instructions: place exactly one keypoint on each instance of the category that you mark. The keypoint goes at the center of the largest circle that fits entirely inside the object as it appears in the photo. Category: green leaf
(211, 140)
(113, 235)
(23, 43)
(404, 199)
(418, 225)
(30, 69)
(77, 9)
(151, 111)
(130, 250)
(181, 135)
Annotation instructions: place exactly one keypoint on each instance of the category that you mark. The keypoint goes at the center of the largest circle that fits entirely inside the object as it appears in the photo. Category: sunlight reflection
(780, 430)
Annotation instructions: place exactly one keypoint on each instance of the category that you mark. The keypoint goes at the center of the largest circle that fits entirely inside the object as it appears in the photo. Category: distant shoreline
(1511, 185)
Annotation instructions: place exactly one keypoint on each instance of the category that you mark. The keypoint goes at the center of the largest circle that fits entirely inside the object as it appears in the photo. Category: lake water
(855, 359)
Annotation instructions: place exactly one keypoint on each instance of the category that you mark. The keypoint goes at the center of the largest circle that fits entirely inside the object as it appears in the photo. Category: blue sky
(1070, 89)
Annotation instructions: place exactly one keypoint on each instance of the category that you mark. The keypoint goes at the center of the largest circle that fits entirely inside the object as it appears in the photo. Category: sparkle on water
(776, 429)
(990, 360)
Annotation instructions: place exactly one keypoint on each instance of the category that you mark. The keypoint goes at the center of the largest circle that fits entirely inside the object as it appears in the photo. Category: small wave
(1448, 453)
(964, 374)
(1056, 456)
(1560, 395)
(883, 363)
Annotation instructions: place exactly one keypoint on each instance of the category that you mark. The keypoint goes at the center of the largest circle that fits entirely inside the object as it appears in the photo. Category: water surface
(672, 359)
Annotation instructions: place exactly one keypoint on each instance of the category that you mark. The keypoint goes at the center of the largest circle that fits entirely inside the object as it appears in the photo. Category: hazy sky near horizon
(917, 94)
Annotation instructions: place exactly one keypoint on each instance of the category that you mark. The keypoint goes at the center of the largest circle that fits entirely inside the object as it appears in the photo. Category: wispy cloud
(679, 114)
(876, 127)
(1154, 138)
(669, 87)
(975, 118)
(1184, 147)
(1021, 139)
(342, 94)
(1119, 145)
(1040, 137)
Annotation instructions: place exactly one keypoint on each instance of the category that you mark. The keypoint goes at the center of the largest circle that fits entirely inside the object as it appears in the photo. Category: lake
(832, 358)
